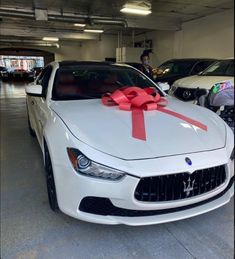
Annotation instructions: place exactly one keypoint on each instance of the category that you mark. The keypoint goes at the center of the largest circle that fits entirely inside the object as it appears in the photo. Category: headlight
(232, 155)
(85, 166)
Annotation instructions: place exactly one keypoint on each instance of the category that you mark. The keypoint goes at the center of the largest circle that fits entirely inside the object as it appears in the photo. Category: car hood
(168, 78)
(109, 129)
(202, 81)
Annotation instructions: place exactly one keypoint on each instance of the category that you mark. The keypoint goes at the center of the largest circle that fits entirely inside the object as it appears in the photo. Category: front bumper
(135, 218)
(73, 188)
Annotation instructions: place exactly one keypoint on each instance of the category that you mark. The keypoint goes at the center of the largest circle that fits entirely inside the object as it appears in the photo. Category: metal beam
(152, 22)
(19, 30)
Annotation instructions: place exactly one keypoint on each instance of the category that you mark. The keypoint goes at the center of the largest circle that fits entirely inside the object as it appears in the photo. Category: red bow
(139, 100)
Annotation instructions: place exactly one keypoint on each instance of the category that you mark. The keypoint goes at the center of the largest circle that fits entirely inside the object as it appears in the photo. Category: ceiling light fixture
(80, 24)
(50, 38)
(93, 31)
(135, 11)
(143, 8)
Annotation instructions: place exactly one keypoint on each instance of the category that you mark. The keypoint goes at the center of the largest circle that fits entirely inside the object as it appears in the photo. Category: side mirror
(164, 86)
(34, 90)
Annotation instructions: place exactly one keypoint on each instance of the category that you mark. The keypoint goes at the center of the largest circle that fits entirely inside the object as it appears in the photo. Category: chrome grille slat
(171, 187)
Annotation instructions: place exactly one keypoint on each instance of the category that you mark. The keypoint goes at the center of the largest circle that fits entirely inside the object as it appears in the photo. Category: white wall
(88, 49)
(211, 36)
(82, 50)
(162, 45)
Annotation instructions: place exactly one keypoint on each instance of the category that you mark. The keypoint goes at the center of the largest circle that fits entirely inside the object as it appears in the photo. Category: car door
(40, 105)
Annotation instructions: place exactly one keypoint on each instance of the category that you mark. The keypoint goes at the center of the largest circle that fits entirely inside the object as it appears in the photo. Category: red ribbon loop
(139, 100)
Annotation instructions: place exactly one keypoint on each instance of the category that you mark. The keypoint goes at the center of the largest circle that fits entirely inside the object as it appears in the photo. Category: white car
(101, 168)
(220, 71)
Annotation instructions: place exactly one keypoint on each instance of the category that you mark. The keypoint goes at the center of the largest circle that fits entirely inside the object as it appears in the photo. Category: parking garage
(117, 127)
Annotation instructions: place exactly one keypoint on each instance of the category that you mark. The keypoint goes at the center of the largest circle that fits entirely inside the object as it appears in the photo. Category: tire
(51, 189)
(31, 131)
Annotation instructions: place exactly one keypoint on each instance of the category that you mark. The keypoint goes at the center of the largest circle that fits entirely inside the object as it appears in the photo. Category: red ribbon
(139, 100)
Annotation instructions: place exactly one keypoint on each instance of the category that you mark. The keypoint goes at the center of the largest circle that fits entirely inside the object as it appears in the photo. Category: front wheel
(51, 189)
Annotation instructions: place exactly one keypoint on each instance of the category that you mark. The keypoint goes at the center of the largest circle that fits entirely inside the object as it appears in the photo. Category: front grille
(104, 207)
(180, 186)
(185, 94)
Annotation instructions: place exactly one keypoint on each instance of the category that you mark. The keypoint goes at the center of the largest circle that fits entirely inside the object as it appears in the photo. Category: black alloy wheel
(51, 189)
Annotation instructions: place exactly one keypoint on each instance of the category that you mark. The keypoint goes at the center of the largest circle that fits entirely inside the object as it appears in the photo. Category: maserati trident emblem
(188, 160)
(188, 186)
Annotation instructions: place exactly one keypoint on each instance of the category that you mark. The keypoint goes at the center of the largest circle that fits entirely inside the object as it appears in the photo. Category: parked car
(108, 161)
(162, 85)
(2, 71)
(220, 71)
(17, 73)
(219, 99)
(6, 74)
(175, 69)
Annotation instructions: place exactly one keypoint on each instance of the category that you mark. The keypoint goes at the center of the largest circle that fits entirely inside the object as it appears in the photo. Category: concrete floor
(29, 229)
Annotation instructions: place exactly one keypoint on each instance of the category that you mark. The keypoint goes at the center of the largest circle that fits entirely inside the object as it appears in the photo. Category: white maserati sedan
(220, 71)
(118, 150)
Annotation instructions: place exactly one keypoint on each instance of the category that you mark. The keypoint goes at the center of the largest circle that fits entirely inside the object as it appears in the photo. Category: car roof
(190, 59)
(75, 63)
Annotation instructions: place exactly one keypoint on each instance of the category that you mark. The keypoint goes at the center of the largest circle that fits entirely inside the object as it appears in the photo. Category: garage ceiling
(183, 9)
(18, 17)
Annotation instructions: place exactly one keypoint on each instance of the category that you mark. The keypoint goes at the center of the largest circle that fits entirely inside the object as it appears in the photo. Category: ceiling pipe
(21, 41)
(64, 17)
(91, 19)
(6, 12)
(111, 22)
(28, 43)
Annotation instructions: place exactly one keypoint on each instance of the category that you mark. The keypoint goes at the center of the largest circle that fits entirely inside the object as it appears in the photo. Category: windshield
(92, 81)
(220, 68)
(177, 67)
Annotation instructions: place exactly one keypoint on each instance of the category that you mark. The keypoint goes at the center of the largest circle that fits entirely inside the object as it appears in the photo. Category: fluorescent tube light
(93, 31)
(135, 10)
(50, 38)
(80, 24)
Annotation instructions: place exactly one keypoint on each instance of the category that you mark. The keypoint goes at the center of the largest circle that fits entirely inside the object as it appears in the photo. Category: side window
(200, 66)
(44, 79)
(137, 79)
